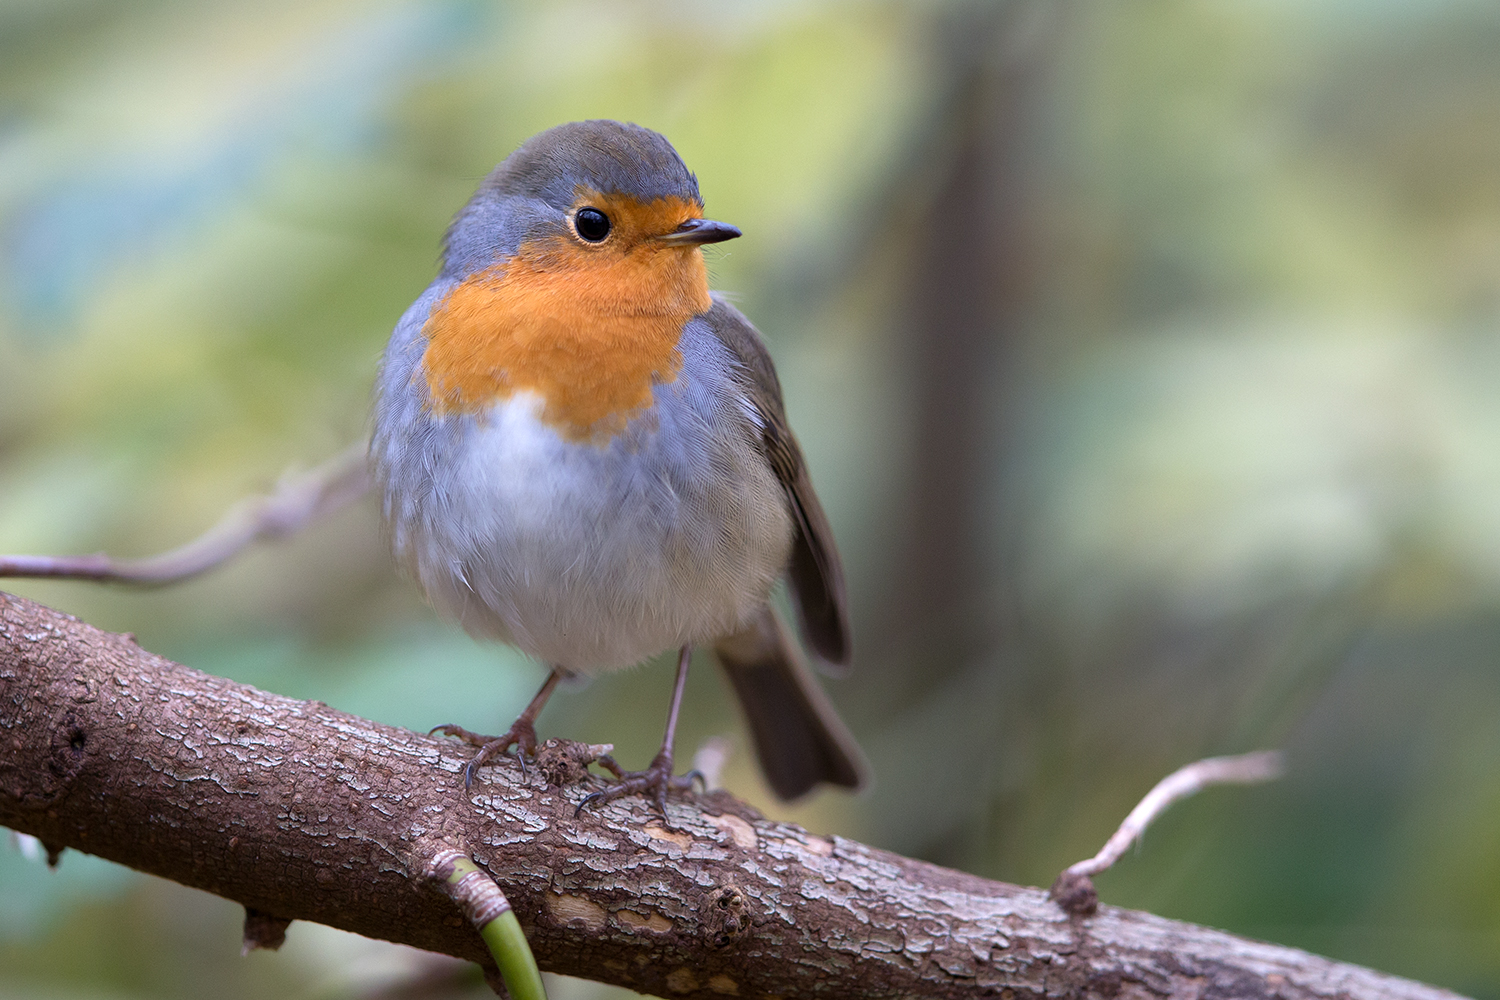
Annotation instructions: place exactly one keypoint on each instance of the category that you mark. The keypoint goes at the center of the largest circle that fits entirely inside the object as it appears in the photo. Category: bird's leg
(521, 734)
(657, 778)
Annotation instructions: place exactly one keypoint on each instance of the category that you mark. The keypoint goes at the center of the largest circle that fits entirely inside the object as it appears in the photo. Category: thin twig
(1074, 888)
(1245, 769)
(299, 499)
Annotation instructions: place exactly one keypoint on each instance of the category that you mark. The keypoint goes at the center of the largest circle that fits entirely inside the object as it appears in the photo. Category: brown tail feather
(799, 738)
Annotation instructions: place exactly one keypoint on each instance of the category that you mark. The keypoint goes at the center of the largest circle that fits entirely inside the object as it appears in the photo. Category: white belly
(592, 558)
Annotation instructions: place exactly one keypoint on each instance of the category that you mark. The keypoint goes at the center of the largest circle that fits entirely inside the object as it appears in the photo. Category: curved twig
(299, 498)
(1074, 888)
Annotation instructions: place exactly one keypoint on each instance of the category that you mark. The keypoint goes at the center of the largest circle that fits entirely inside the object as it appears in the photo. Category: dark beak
(697, 231)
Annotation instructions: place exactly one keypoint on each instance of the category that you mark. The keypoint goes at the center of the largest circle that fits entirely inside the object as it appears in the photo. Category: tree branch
(303, 812)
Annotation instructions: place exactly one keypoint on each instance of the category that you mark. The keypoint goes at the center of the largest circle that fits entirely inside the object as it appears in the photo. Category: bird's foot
(521, 735)
(654, 783)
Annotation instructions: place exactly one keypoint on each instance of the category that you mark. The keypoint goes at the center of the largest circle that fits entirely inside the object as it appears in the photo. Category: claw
(656, 780)
(467, 736)
(587, 799)
(654, 783)
(522, 736)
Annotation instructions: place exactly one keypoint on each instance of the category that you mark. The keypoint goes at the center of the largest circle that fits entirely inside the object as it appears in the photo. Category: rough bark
(300, 811)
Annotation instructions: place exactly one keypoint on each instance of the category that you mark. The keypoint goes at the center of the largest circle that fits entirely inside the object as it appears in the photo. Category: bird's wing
(816, 575)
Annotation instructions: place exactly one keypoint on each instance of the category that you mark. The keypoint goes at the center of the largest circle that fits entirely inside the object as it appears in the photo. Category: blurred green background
(1145, 356)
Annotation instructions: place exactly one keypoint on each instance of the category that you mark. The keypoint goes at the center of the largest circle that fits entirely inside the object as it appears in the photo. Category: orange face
(589, 327)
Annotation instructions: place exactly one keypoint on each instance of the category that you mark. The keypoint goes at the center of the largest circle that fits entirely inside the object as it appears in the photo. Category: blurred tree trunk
(976, 257)
(974, 272)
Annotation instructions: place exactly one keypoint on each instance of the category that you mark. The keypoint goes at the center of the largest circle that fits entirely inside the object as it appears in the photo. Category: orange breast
(589, 330)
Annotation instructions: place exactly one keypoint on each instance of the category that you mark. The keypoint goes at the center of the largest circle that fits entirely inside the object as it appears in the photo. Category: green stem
(513, 954)
(502, 934)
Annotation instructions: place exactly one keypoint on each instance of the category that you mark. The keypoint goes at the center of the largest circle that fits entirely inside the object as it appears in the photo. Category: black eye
(592, 224)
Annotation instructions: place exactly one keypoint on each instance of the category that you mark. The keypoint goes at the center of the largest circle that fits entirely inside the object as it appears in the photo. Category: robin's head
(570, 275)
(583, 193)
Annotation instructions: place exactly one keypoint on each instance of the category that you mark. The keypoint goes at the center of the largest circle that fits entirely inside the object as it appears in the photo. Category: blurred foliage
(1230, 443)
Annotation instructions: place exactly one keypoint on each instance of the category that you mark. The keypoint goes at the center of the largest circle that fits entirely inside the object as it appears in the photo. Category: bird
(583, 452)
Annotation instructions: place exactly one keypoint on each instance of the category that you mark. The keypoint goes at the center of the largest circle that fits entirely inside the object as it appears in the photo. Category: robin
(583, 452)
